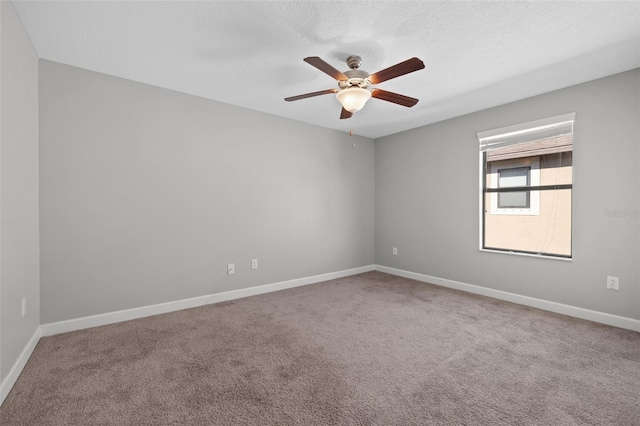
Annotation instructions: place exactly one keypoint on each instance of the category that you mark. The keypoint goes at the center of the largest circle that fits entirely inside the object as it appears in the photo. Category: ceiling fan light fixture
(353, 98)
(354, 84)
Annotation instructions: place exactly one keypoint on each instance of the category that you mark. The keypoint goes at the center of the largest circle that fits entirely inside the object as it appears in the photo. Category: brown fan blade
(345, 114)
(310, 95)
(406, 67)
(394, 97)
(325, 68)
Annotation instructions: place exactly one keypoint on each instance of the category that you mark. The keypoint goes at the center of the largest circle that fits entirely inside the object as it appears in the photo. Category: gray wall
(147, 194)
(19, 270)
(427, 203)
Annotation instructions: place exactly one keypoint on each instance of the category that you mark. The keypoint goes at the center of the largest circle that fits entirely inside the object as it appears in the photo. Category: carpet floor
(370, 349)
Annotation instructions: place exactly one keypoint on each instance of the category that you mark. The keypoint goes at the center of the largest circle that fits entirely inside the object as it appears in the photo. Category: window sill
(538, 256)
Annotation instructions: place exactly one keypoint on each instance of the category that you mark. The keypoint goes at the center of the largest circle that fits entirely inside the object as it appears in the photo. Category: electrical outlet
(254, 263)
(613, 283)
(24, 306)
(395, 251)
(231, 269)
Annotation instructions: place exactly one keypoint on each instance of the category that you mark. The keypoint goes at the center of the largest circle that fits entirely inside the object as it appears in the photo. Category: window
(515, 177)
(514, 173)
(526, 180)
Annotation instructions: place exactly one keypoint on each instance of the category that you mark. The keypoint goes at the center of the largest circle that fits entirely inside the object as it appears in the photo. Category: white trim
(573, 311)
(10, 380)
(481, 202)
(161, 308)
(537, 256)
(128, 314)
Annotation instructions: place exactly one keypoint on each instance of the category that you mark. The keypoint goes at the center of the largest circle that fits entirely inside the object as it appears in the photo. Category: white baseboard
(145, 311)
(129, 314)
(10, 380)
(161, 308)
(573, 311)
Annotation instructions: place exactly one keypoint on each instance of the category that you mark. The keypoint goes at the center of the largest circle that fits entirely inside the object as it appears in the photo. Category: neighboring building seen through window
(527, 187)
(514, 177)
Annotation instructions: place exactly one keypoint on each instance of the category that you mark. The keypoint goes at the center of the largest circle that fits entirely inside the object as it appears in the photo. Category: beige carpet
(371, 349)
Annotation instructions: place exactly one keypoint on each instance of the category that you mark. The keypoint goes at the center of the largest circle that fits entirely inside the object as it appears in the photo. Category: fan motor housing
(356, 78)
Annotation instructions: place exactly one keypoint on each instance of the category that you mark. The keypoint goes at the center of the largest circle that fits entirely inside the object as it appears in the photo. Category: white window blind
(527, 132)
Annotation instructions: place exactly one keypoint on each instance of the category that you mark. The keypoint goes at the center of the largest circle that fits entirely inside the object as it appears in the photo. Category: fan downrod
(354, 62)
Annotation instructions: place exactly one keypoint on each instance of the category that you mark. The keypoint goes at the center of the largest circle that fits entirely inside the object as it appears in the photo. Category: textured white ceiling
(249, 53)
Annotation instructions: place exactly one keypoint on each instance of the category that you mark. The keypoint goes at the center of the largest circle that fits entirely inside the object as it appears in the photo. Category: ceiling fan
(353, 92)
